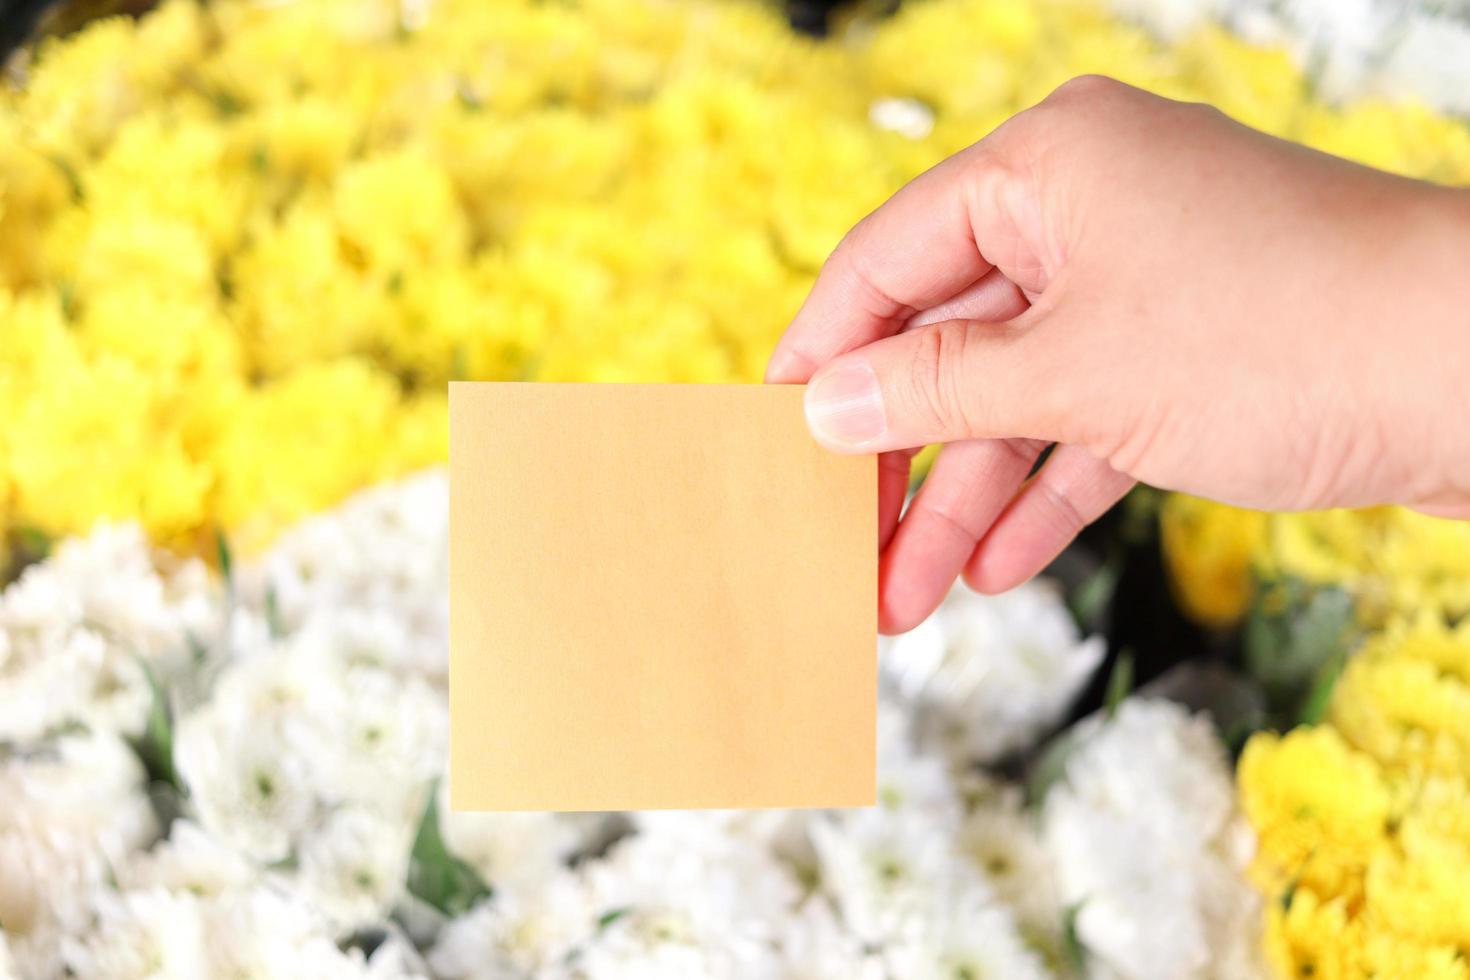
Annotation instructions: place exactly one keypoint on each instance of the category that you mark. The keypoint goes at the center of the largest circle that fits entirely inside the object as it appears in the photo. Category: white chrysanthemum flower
(395, 958)
(987, 675)
(814, 946)
(255, 931)
(669, 910)
(518, 933)
(1430, 59)
(969, 935)
(1171, 19)
(509, 850)
(1339, 42)
(1145, 837)
(74, 628)
(780, 833)
(386, 548)
(8, 968)
(73, 809)
(247, 783)
(769, 828)
(385, 742)
(907, 779)
(288, 681)
(191, 860)
(886, 872)
(265, 932)
(907, 117)
(300, 727)
(141, 935)
(353, 866)
(378, 637)
(1002, 841)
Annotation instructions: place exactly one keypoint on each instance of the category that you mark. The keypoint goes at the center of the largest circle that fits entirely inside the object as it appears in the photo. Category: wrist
(1433, 388)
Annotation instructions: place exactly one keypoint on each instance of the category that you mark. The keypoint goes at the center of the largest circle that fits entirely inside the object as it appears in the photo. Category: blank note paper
(661, 596)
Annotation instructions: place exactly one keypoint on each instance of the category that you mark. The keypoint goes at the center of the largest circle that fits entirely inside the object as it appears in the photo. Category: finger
(945, 382)
(893, 487)
(1073, 489)
(916, 251)
(993, 299)
(968, 488)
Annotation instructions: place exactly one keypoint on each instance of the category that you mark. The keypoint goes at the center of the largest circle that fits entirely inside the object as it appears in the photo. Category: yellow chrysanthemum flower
(611, 190)
(1391, 560)
(339, 413)
(1319, 807)
(1309, 937)
(1364, 824)
(1209, 550)
(1405, 697)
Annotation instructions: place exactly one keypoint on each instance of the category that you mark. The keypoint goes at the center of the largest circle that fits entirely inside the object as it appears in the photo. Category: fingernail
(844, 406)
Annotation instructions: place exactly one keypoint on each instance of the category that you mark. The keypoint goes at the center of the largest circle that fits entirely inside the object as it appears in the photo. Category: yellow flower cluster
(1364, 822)
(243, 245)
(1393, 561)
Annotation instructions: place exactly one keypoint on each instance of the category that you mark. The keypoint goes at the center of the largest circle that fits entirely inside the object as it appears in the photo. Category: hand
(1168, 296)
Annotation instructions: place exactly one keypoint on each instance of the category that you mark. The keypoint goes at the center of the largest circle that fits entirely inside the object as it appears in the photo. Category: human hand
(1168, 296)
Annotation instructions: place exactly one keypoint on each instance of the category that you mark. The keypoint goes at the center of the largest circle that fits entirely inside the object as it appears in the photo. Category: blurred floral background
(245, 244)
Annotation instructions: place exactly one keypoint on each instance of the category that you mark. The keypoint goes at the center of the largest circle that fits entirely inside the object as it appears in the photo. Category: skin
(1165, 294)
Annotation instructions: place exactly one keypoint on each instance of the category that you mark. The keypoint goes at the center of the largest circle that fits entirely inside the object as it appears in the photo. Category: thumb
(960, 379)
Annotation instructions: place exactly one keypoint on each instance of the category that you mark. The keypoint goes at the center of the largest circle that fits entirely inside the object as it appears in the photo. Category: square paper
(661, 596)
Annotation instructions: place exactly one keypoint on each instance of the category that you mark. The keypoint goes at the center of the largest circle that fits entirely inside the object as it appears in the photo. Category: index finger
(914, 252)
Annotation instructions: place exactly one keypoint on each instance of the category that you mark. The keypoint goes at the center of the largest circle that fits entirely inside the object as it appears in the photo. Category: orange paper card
(661, 596)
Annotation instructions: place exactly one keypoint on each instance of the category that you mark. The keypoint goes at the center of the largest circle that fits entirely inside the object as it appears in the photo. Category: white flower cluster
(1148, 846)
(1399, 49)
(308, 727)
(77, 631)
(988, 676)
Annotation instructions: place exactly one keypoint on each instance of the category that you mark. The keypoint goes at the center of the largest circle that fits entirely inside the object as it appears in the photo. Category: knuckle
(1061, 511)
(850, 243)
(1207, 111)
(1126, 443)
(1085, 88)
(1075, 115)
(957, 520)
(938, 394)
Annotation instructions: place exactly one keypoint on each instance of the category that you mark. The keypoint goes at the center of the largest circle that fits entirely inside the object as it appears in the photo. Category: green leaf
(1234, 702)
(1319, 696)
(227, 104)
(1139, 524)
(291, 862)
(367, 939)
(226, 559)
(438, 877)
(468, 100)
(273, 619)
(70, 175)
(1091, 599)
(1120, 683)
(1296, 637)
(155, 746)
(66, 295)
(1073, 951)
(36, 542)
(610, 916)
(1050, 766)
